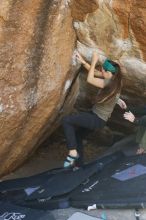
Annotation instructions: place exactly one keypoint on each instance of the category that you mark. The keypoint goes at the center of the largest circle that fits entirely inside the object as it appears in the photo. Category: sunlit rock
(37, 41)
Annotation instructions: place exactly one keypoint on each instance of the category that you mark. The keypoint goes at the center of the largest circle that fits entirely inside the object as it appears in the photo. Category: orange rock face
(138, 24)
(80, 8)
(36, 45)
(132, 16)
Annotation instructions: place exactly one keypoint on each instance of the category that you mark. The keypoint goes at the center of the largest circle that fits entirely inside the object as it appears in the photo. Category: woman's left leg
(81, 134)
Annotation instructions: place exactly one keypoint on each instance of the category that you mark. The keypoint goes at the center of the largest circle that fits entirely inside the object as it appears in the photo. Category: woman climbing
(109, 83)
(141, 123)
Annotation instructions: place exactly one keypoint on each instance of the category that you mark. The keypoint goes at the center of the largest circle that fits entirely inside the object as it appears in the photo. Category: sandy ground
(51, 154)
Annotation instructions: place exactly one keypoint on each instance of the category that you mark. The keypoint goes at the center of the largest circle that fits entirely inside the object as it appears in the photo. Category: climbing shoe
(70, 161)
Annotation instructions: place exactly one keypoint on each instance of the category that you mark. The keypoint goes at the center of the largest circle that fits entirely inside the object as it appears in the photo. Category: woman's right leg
(72, 123)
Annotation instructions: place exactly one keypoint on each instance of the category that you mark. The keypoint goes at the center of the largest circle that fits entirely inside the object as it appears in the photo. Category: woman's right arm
(87, 65)
(99, 83)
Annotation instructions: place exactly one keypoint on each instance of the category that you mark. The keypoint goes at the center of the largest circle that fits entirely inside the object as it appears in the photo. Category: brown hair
(113, 88)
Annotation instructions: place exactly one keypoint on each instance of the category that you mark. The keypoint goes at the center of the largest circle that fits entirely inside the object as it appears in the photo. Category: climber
(77, 126)
(141, 123)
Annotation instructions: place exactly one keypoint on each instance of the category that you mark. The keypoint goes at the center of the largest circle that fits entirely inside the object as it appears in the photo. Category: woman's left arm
(91, 74)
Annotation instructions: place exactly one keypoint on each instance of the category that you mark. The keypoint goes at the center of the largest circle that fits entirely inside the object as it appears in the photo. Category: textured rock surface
(80, 8)
(117, 29)
(36, 45)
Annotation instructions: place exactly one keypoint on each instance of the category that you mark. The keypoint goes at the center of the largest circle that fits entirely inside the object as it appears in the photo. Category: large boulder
(36, 46)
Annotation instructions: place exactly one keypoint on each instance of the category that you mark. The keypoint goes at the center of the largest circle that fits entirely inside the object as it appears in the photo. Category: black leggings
(78, 126)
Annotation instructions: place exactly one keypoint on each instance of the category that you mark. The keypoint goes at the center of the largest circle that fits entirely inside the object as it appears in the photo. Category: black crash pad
(54, 191)
(121, 184)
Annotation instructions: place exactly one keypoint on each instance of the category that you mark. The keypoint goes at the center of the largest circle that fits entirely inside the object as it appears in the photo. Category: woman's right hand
(80, 58)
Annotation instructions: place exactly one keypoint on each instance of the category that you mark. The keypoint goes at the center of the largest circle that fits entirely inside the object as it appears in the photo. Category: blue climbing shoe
(70, 161)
